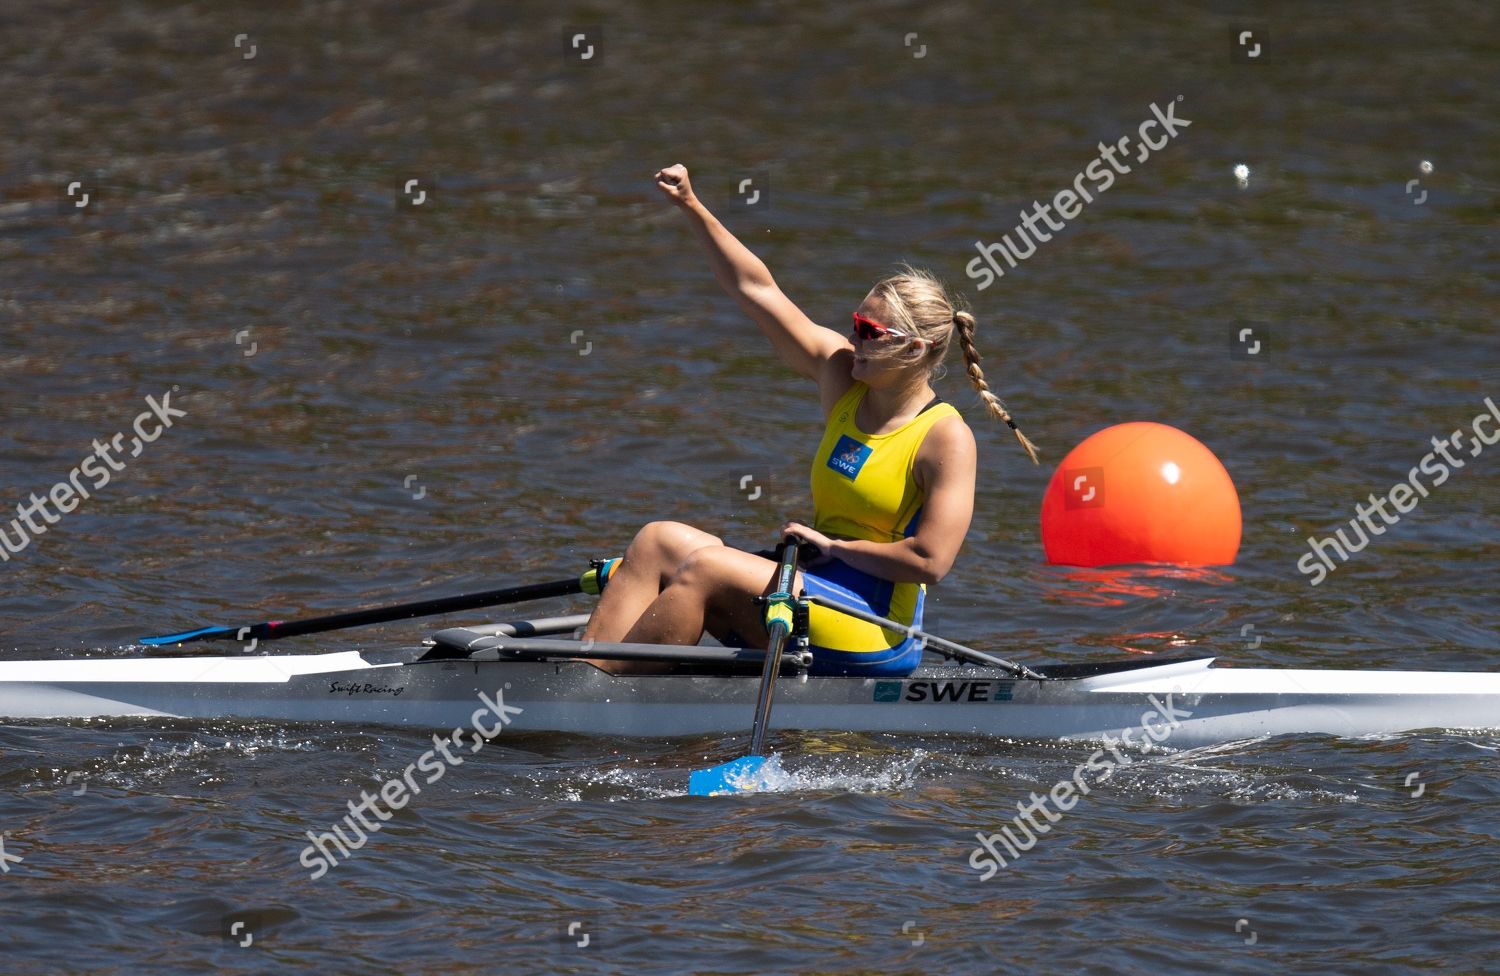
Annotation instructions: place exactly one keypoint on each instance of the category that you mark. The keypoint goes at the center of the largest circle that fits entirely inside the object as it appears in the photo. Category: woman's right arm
(800, 343)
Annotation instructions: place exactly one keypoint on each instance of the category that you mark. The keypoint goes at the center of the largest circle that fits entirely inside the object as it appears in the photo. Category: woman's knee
(704, 568)
(724, 567)
(668, 544)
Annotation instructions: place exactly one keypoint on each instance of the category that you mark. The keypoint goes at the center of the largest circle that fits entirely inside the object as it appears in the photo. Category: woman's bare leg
(658, 549)
(714, 585)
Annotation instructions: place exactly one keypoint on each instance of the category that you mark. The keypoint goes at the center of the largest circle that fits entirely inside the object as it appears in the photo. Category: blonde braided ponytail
(965, 327)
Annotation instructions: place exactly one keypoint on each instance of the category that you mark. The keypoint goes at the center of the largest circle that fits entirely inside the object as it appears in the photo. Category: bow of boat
(1200, 676)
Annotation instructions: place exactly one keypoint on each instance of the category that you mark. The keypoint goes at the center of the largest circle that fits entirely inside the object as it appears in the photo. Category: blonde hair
(917, 303)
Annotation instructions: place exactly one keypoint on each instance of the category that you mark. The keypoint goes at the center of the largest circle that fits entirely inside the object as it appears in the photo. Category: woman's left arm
(945, 468)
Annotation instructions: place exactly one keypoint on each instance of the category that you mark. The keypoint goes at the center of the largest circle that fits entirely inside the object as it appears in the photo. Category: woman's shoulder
(947, 449)
(948, 434)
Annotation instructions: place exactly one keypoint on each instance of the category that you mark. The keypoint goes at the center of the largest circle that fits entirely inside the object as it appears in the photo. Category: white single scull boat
(712, 689)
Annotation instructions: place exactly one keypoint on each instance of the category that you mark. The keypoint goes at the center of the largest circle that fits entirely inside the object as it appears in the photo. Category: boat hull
(1180, 704)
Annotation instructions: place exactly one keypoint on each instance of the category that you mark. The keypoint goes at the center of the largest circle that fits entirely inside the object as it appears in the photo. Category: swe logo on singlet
(848, 456)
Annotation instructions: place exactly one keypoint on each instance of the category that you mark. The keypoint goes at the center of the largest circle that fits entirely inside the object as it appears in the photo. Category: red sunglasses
(868, 329)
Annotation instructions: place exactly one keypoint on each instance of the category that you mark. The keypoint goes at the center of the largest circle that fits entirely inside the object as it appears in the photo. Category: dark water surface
(498, 384)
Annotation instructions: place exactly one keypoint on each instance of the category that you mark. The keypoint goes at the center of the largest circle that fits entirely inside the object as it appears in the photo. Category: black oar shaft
(780, 626)
(587, 583)
(421, 608)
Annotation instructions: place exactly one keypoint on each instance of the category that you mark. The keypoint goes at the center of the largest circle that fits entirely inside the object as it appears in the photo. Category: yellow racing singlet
(864, 487)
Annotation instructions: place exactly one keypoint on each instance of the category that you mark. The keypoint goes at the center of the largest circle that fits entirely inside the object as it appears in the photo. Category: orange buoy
(1141, 493)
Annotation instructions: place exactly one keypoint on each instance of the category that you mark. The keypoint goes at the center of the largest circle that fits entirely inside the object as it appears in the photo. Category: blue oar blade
(185, 636)
(739, 776)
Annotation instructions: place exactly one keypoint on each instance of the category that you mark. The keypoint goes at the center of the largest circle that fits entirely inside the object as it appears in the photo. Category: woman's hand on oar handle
(673, 181)
(810, 537)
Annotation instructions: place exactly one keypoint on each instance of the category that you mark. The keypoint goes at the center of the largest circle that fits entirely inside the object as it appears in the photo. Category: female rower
(892, 478)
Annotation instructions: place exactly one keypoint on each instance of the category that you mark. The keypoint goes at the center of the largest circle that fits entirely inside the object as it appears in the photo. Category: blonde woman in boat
(892, 476)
